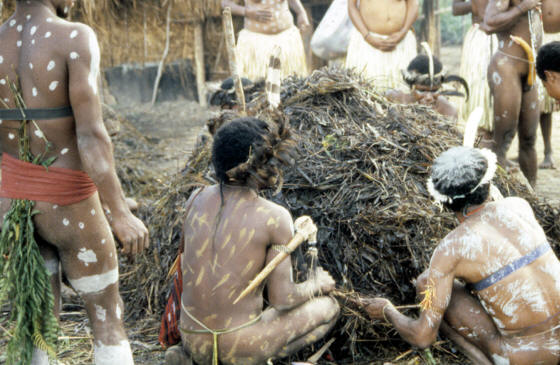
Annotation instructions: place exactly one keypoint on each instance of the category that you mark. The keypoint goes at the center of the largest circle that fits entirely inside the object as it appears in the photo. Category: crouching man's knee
(422, 283)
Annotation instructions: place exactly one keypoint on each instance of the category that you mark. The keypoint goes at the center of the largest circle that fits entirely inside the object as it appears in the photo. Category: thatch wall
(134, 31)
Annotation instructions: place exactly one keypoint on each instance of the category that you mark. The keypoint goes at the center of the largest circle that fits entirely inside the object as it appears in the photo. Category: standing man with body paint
(478, 48)
(382, 42)
(509, 310)
(270, 24)
(516, 103)
(55, 64)
(230, 233)
(551, 25)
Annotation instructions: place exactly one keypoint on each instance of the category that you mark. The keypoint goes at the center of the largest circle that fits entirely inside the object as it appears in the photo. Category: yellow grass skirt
(478, 48)
(384, 68)
(254, 50)
(548, 104)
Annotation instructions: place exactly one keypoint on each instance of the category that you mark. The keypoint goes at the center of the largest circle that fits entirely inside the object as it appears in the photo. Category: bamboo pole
(232, 57)
(430, 25)
(199, 64)
(164, 55)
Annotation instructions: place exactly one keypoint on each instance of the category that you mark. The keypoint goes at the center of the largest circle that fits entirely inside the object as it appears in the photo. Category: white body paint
(113, 354)
(496, 78)
(53, 85)
(95, 283)
(64, 151)
(18, 43)
(1, 60)
(49, 20)
(74, 55)
(11, 136)
(95, 61)
(65, 221)
(100, 313)
(12, 22)
(118, 312)
(39, 133)
(81, 225)
(33, 28)
(51, 65)
(19, 28)
(87, 256)
(52, 266)
(2, 82)
(73, 34)
(48, 35)
(498, 360)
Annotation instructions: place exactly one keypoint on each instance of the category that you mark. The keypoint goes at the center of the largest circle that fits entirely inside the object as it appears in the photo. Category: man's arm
(301, 14)
(411, 16)
(421, 332)
(461, 7)
(283, 293)
(94, 144)
(500, 15)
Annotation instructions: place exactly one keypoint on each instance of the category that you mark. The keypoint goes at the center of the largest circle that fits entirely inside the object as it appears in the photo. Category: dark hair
(234, 142)
(421, 64)
(456, 172)
(548, 59)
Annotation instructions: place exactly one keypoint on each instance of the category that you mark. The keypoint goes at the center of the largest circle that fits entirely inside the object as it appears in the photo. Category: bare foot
(508, 165)
(175, 355)
(548, 163)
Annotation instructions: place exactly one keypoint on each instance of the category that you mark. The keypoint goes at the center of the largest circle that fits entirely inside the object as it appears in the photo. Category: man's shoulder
(272, 207)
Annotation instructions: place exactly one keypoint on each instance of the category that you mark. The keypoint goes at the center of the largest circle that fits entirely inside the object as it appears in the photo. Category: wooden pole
(431, 27)
(199, 64)
(230, 46)
(164, 55)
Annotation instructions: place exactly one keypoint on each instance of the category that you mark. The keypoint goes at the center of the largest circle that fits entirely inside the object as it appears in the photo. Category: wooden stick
(232, 57)
(199, 65)
(305, 230)
(164, 55)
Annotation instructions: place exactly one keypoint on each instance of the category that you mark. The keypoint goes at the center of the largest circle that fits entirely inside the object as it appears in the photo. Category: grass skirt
(548, 104)
(254, 50)
(478, 48)
(383, 67)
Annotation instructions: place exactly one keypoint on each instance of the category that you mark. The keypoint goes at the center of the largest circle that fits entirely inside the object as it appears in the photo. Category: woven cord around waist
(215, 333)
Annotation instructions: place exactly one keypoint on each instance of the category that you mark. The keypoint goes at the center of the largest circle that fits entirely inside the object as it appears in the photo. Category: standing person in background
(516, 102)
(478, 48)
(551, 24)
(382, 43)
(269, 24)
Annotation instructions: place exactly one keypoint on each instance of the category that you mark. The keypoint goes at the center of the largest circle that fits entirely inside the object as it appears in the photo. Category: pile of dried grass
(361, 173)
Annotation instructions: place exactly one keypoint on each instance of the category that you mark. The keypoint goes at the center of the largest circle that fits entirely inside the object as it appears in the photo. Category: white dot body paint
(92, 212)
(30, 66)
(55, 206)
(33, 30)
(28, 16)
(39, 133)
(1, 60)
(48, 35)
(65, 221)
(73, 34)
(533, 105)
(81, 225)
(496, 78)
(103, 241)
(498, 360)
(64, 151)
(12, 22)
(51, 65)
(53, 85)
(87, 256)
(33, 41)
(95, 283)
(66, 10)
(74, 55)
(19, 28)
(2, 82)
(11, 136)
(113, 354)
(49, 20)
(100, 313)
(6, 100)
(118, 312)
(1, 121)
(18, 43)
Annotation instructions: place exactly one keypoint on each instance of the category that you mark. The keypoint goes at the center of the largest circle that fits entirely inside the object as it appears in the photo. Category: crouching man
(505, 309)
(426, 87)
(230, 235)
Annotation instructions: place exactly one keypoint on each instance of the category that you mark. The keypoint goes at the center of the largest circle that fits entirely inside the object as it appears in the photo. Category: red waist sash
(57, 185)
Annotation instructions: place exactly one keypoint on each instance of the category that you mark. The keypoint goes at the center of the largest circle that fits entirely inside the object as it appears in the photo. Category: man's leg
(546, 130)
(528, 124)
(89, 260)
(279, 333)
(505, 86)
(467, 324)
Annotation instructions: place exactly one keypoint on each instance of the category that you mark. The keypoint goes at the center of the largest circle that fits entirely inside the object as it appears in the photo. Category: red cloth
(57, 185)
(169, 333)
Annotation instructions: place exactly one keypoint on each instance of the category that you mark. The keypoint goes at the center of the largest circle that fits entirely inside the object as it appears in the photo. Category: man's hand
(324, 280)
(527, 5)
(384, 45)
(259, 15)
(131, 233)
(302, 22)
(374, 306)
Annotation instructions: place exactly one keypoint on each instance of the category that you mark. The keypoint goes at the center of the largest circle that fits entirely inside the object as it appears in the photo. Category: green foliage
(24, 280)
(453, 28)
